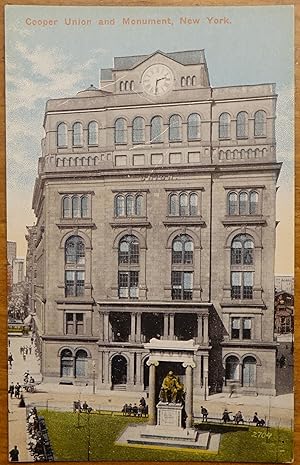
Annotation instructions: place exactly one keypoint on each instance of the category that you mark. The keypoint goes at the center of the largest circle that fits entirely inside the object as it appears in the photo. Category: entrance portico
(171, 351)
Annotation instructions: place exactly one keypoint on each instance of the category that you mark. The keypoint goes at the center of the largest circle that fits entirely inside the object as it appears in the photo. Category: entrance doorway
(119, 370)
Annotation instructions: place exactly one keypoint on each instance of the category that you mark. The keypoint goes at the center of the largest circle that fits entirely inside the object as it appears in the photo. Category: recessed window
(182, 285)
(77, 134)
(74, 323)
(183, 204)
(241, 328)
(129, 205)
(175, 126)
(93, 133)
(62, 135)
(243, 203)
(224, 126)
(120, 131)
(260, 120)
(242, 124)
(194, 126)
(138, 130)
(156, 129)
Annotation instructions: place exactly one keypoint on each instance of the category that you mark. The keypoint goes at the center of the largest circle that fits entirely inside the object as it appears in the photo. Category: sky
(243, 45)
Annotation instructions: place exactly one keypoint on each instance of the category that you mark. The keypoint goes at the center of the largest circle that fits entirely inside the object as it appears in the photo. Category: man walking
(14, 454)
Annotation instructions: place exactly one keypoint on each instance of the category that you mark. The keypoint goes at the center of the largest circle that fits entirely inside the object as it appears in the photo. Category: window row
(129, 205)
(73, 365)
(157, 130)
(182, 261)
(75, 206)
(243, 203)
(77, 134)
(242, 125)
(126, 85)
(187, 81)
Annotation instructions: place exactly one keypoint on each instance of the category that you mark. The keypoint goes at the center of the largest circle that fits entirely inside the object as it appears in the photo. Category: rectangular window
(175, 158)
(242, 285)
(247, 328)
(120, 160)
(235, 328)
(74, 283)
(157, 159)
(74, 323)
(182, 285)
(193, 157)
(138, 160)
(236, 285)
(128, 284)
(248, 285)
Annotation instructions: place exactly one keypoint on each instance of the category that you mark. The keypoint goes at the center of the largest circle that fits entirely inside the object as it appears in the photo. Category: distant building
(284, 283)
(31, 266)
(18, 270)
(284, 312)
(11, 251)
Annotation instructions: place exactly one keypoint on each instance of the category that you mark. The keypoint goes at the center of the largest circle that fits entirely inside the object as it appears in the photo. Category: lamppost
(94, 376)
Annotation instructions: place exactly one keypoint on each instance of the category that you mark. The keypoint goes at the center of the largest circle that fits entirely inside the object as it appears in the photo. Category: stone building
(155, 206)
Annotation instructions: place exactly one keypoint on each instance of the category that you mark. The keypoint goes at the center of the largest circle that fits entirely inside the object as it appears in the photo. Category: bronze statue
(171, 390)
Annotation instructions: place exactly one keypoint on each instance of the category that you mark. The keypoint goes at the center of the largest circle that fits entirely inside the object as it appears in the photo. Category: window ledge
(184, 220)
(249, 219)
(132, 221)
(74, 222)
(243, 303)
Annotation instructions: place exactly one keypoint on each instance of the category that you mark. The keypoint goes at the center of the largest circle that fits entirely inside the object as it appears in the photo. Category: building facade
(284, 283)
(155, 206)
(284, 313)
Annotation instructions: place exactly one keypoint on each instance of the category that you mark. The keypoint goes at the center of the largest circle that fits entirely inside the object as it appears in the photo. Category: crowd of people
(136, 410)
(38, 443)
(84, 408)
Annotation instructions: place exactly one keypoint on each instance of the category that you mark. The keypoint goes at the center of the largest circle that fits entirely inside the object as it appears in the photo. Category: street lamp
(94, 375)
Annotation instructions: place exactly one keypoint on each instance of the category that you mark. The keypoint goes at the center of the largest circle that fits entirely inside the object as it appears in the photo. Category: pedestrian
(10, 360)
(238, 418)
(14, 454)
(22, 402)
(204, 413)
(31, 339)
(232, 390)
(8, 342)
(17, 390)
(226, 416)
(11, 390)
(30, 350)
(24, 356)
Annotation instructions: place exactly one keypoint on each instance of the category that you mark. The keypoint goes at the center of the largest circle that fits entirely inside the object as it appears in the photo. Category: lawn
(70, 442)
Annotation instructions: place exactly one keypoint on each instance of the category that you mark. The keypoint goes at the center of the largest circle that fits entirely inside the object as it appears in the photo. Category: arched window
(242, 270)
(242, 124)
(128, 277)
(193, 204)
(232, 203)
(62, 135)
(253, 204)
(126, 85)
(75, 207)
(193, 80)
(129, 205)
(121, 86)
(242, 250)
(183, 205)
(66, 207)
(249, 372)
(138, 130)
(224, 126)
(120, 131)
(129, 250)
(156, 129)
(131, 85)
(84, 207)
(75, 251)
(193, 126)
(139, 205)
(93, 133)
(77, 134)
(81, 364)
(182, 250)
(243, 203)
(232, 368)
(260, 120)
(120, 205)
(118, 370)
(183, 82)
(188, 81)
(66, 364)
(175, 128)
(173, 204)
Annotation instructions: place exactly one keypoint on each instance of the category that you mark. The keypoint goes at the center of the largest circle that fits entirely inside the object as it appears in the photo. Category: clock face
(157, 80)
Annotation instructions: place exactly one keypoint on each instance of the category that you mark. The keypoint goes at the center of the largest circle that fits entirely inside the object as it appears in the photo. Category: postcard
(150, 155)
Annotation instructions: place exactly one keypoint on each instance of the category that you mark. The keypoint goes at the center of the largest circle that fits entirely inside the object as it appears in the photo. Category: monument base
(169, 432)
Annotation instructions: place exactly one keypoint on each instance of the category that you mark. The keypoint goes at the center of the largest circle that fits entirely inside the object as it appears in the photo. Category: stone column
(205, 329)
(189, 392)
(205, 375)
(138, 368)
(105, 326)
(132, 332)
(130, 379)
(166, 325)
(151, 403)
(106, 368)
(171, 332)
(200, 338)
(138, 326)
(101, 317)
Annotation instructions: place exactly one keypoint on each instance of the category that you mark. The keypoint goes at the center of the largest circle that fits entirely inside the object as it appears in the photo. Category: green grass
(237, 444)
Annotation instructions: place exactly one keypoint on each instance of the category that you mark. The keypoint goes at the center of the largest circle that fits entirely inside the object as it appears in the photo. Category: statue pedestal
(169, 414)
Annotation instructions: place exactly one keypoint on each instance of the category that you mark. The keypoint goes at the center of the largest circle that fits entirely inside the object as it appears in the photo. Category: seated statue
(171, 390)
